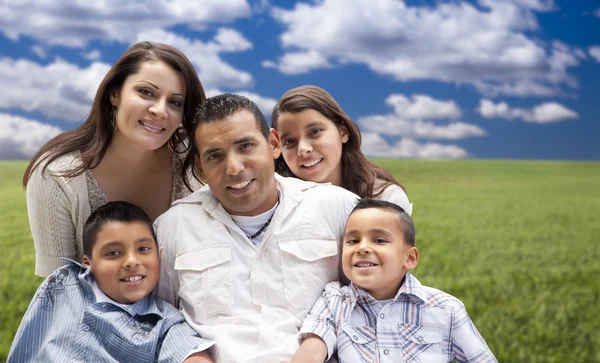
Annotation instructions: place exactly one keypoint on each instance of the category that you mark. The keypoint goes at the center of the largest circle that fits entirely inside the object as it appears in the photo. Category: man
(246, 258)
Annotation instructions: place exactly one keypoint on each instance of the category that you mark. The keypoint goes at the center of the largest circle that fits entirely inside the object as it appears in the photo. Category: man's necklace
(264, 226)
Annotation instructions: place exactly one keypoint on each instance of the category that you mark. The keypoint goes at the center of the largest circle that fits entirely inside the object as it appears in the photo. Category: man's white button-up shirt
(252, 299)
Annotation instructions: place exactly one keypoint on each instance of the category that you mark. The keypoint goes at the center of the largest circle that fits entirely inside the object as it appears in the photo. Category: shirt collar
(411, 287)
(147, 305)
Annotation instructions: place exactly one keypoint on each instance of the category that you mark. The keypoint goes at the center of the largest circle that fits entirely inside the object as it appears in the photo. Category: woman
(321, 143)
(130, 148)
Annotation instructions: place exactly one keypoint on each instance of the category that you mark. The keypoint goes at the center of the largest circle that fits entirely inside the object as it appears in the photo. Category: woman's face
(312, 146)
(150, 105)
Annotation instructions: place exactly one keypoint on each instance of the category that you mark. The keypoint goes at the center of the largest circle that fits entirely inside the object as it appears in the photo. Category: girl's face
(312, 146)
(150, 105)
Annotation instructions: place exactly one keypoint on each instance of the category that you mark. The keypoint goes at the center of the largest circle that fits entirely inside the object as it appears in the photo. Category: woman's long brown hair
(94, 136)
(358, 173)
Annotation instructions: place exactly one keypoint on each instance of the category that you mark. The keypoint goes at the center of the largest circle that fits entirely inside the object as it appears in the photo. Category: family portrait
(312, 181)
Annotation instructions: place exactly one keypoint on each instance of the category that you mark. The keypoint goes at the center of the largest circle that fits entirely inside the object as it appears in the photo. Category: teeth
(241, 185)
(133, 278)
(150, 126)
(365, 264)
(312, 163)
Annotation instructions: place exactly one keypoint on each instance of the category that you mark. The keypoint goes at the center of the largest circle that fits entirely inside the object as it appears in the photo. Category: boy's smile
(375, 256)
(124, 262)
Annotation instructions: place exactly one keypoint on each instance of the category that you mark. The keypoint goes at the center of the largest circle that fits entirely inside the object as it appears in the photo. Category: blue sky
(510, 79)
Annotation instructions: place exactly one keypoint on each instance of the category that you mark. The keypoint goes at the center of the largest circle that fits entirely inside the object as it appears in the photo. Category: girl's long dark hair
(358, 173)
(94, 136)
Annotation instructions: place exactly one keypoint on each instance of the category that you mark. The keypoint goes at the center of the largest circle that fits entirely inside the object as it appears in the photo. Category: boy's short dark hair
(406, 223)
(224, 105)
(118, 211)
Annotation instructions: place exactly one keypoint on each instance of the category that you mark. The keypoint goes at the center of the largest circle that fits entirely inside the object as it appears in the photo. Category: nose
(304, 147)
(159, 109)
(234, 165)
(363, 247)
(131, 260)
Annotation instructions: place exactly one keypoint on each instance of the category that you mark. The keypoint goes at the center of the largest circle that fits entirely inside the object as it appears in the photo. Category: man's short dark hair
(406, 223)
(119, 211)
(224, 105)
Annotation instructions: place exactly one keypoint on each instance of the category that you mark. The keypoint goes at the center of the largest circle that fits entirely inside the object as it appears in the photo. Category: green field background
(516, 241)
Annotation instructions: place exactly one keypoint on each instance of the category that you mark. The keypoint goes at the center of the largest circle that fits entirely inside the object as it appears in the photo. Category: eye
(245, 145)
(146, 92)
(380, 240)
(144, 249)
(213, 157)
(112, 253)
(352, 241)
(314, 132)
(177, 103)
(288, 142)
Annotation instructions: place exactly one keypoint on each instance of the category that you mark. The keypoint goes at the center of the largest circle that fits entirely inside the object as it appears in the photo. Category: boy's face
(124, 261)
(375, 256)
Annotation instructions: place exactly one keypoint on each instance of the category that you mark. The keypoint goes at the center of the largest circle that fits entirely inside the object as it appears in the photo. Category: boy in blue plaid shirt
(103, 310)
(385, 314)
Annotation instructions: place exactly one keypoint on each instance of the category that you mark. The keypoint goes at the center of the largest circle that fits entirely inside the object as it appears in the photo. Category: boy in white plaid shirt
(385, 314)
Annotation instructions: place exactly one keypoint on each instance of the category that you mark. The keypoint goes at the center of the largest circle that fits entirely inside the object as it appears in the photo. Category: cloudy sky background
(514, 79)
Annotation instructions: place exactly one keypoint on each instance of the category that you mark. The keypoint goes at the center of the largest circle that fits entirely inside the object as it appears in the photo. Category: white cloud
(92, 55)
(39, 51)
(595, 52)
(20, 137)
(597, 13)
(75, 23)
(374, 145)
(59, 89)
(549, 112)
(265, 104)
(487, 46)
(408, 115)
(298, 62)
(212, 70)
(423, 107)
(230, 40)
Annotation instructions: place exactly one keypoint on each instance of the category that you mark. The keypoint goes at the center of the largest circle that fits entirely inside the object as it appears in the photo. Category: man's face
(238, 163)
(124, 261)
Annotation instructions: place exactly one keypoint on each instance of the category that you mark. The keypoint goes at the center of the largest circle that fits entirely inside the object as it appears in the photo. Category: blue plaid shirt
(65, 323)
(420, 324)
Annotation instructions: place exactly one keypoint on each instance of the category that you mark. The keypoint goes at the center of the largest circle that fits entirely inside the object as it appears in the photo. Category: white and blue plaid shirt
(420, 324)
(65, 323)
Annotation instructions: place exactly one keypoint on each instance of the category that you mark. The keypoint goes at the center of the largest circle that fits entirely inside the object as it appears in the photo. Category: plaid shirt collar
(411, 287)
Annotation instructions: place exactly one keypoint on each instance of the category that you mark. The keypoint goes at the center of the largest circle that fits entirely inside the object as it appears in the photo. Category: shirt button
(382, 316)
(355, 337)
(421, 339)
(386, 352)
(86, 328)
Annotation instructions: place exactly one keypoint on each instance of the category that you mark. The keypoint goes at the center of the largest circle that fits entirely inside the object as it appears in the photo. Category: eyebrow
(243, 140)
(158, 88)
(376, 230)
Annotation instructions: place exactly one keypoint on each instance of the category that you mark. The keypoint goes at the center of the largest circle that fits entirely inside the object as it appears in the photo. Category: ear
(114, 98)
(344, 134)
(275, 142)
(86, 261)
(199, 167)
(412, 259)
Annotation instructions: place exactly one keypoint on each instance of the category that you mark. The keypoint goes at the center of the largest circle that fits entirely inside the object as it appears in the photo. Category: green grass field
(517, 242)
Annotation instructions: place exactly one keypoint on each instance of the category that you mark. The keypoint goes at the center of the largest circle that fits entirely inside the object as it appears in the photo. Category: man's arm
(312, 349)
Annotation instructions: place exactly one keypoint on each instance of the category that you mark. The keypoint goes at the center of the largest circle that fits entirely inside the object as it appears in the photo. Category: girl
(321, 143)
(130, 148)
